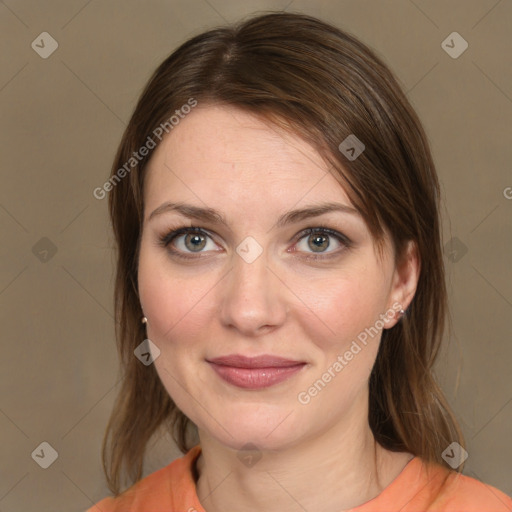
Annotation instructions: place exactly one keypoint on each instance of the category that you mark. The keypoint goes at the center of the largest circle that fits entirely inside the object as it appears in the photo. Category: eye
(187, 241)
(319, 241)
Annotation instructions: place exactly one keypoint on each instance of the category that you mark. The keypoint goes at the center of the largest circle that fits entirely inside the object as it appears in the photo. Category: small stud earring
(144, 320)
(402, 312)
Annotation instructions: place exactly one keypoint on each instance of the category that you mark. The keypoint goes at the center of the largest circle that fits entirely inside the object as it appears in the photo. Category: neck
(344, 466)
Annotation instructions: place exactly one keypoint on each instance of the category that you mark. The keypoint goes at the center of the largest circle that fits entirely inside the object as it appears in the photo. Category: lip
(263, 361)
(255, 372)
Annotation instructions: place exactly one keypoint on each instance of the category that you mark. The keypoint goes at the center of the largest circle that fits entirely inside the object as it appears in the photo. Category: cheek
(341, 307)
(173, 305)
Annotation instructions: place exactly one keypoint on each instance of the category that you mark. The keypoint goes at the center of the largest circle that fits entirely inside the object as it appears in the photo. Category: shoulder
(465, 493)
(448, 491)
(429, 487)
(166, 489)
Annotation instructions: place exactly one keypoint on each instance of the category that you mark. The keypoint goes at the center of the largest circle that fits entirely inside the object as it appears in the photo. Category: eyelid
(172, 233)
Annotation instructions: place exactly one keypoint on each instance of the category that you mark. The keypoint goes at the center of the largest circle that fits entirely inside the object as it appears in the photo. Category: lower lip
(256, 378)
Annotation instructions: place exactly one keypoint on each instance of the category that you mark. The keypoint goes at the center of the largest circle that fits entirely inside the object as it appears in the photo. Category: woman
(280, 284)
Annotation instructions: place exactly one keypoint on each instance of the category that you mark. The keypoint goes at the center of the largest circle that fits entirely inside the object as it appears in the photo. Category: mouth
(255, 372)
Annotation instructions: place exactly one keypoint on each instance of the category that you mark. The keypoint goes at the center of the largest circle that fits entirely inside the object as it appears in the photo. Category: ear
(405, 282)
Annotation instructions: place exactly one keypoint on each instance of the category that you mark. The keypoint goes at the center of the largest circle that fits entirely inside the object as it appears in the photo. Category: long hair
(324, 85)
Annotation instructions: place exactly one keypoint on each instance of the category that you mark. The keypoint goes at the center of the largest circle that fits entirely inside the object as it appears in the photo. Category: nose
(253, 298)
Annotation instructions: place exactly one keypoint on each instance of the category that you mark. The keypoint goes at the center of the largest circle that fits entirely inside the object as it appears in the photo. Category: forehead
(222, 149)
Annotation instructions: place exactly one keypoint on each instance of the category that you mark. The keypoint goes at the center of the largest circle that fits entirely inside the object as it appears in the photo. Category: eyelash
(165, 239)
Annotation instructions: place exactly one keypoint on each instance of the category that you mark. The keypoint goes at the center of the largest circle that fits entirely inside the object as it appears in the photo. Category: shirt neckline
(414, 465)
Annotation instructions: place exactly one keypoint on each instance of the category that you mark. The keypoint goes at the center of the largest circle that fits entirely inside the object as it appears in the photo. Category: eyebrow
(213, 216)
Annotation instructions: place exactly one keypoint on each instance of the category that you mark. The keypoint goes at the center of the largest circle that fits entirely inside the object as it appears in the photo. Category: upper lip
(264, 361)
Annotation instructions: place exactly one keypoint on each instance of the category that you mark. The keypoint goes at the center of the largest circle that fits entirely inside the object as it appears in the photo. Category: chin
(271, 430)
(253, 439)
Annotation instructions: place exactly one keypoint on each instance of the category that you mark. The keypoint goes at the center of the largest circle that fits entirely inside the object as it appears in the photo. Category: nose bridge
(252, 298)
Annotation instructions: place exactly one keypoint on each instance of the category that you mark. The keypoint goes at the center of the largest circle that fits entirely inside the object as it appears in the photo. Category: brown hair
(323, 84)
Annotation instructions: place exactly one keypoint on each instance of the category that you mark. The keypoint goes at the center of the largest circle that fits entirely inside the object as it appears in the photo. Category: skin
(282, 304)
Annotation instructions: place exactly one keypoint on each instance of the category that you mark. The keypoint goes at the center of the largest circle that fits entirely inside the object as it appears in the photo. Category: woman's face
(255, 279)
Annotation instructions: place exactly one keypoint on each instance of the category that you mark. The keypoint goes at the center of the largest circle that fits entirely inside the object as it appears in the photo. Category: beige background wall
(62, 118)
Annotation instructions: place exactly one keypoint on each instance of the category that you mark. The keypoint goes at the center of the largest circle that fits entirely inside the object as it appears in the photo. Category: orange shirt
(173, 489)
